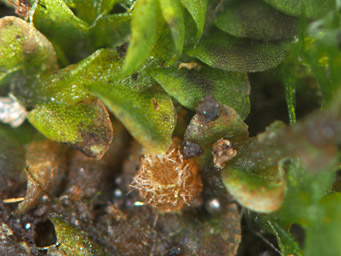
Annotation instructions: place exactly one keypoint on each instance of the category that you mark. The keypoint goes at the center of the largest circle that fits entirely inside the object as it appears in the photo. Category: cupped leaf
(261, 192)
(172, 12)
(67, 32)
(25, 55)
(72, 241)
(220, 50)
(255, 176)
(146, 111)
(84, 126)
(312, 8)
(144, 29)
(45, 168)
(256, 173)
(256, 20)
(197, 9)
(188, 83)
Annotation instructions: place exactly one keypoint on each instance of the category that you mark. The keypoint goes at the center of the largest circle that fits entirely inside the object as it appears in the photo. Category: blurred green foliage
(140, 59)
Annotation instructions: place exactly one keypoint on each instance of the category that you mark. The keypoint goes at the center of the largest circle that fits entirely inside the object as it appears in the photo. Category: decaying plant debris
(170, 127)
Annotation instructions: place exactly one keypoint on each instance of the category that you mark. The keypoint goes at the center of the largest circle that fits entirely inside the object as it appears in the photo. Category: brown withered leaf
(45, 165)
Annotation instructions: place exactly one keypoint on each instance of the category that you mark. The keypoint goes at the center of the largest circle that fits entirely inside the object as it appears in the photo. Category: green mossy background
(105, 81)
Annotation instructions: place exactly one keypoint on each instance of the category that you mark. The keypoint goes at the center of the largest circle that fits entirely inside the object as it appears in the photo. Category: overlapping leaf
(256, 173)
(312, 8)
(197, 9)
(85, 126)
(256, 20)
(145, 110)
(90, 10)
(220, 50)
(144, 34)
(110, 30)
(25, 55)
(172, 12)
(258, 183)
(227, 125)
(55, 18)
(190, 85)
(68, 113)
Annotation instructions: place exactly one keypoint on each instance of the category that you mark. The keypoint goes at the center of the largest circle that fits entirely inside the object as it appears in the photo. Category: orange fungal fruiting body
(167, 182)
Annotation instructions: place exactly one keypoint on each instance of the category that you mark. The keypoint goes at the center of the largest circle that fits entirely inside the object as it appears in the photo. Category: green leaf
(256, 20)
(255, 177)
(312, 8)
(25, 55)
(257, 183)
(110, 30)
(290, 96)
(322, 54)
(197, 8)
(58, 23)
(307, 204)
(144, 34)
(72, 241)
(220, 50)
(190, 85)
(172, 12)
(91, 9)
(85, 126)
(146, 111)
(286, 241)
(328, 223)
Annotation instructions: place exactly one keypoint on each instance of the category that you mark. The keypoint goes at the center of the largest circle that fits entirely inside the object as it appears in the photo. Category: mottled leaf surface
(69, 113)
(256, 20)
(190, 85)
(228, 125)
(72, 241)
(220, 50)
(145, 16)
(146, 111)
(197, 9)
(85, 126)
(25, 54)
(312, 8)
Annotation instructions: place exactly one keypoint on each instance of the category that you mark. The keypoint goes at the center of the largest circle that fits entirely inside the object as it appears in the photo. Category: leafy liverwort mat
(170, 127)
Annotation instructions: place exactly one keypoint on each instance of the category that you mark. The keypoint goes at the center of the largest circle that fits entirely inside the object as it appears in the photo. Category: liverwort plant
(161, 96)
